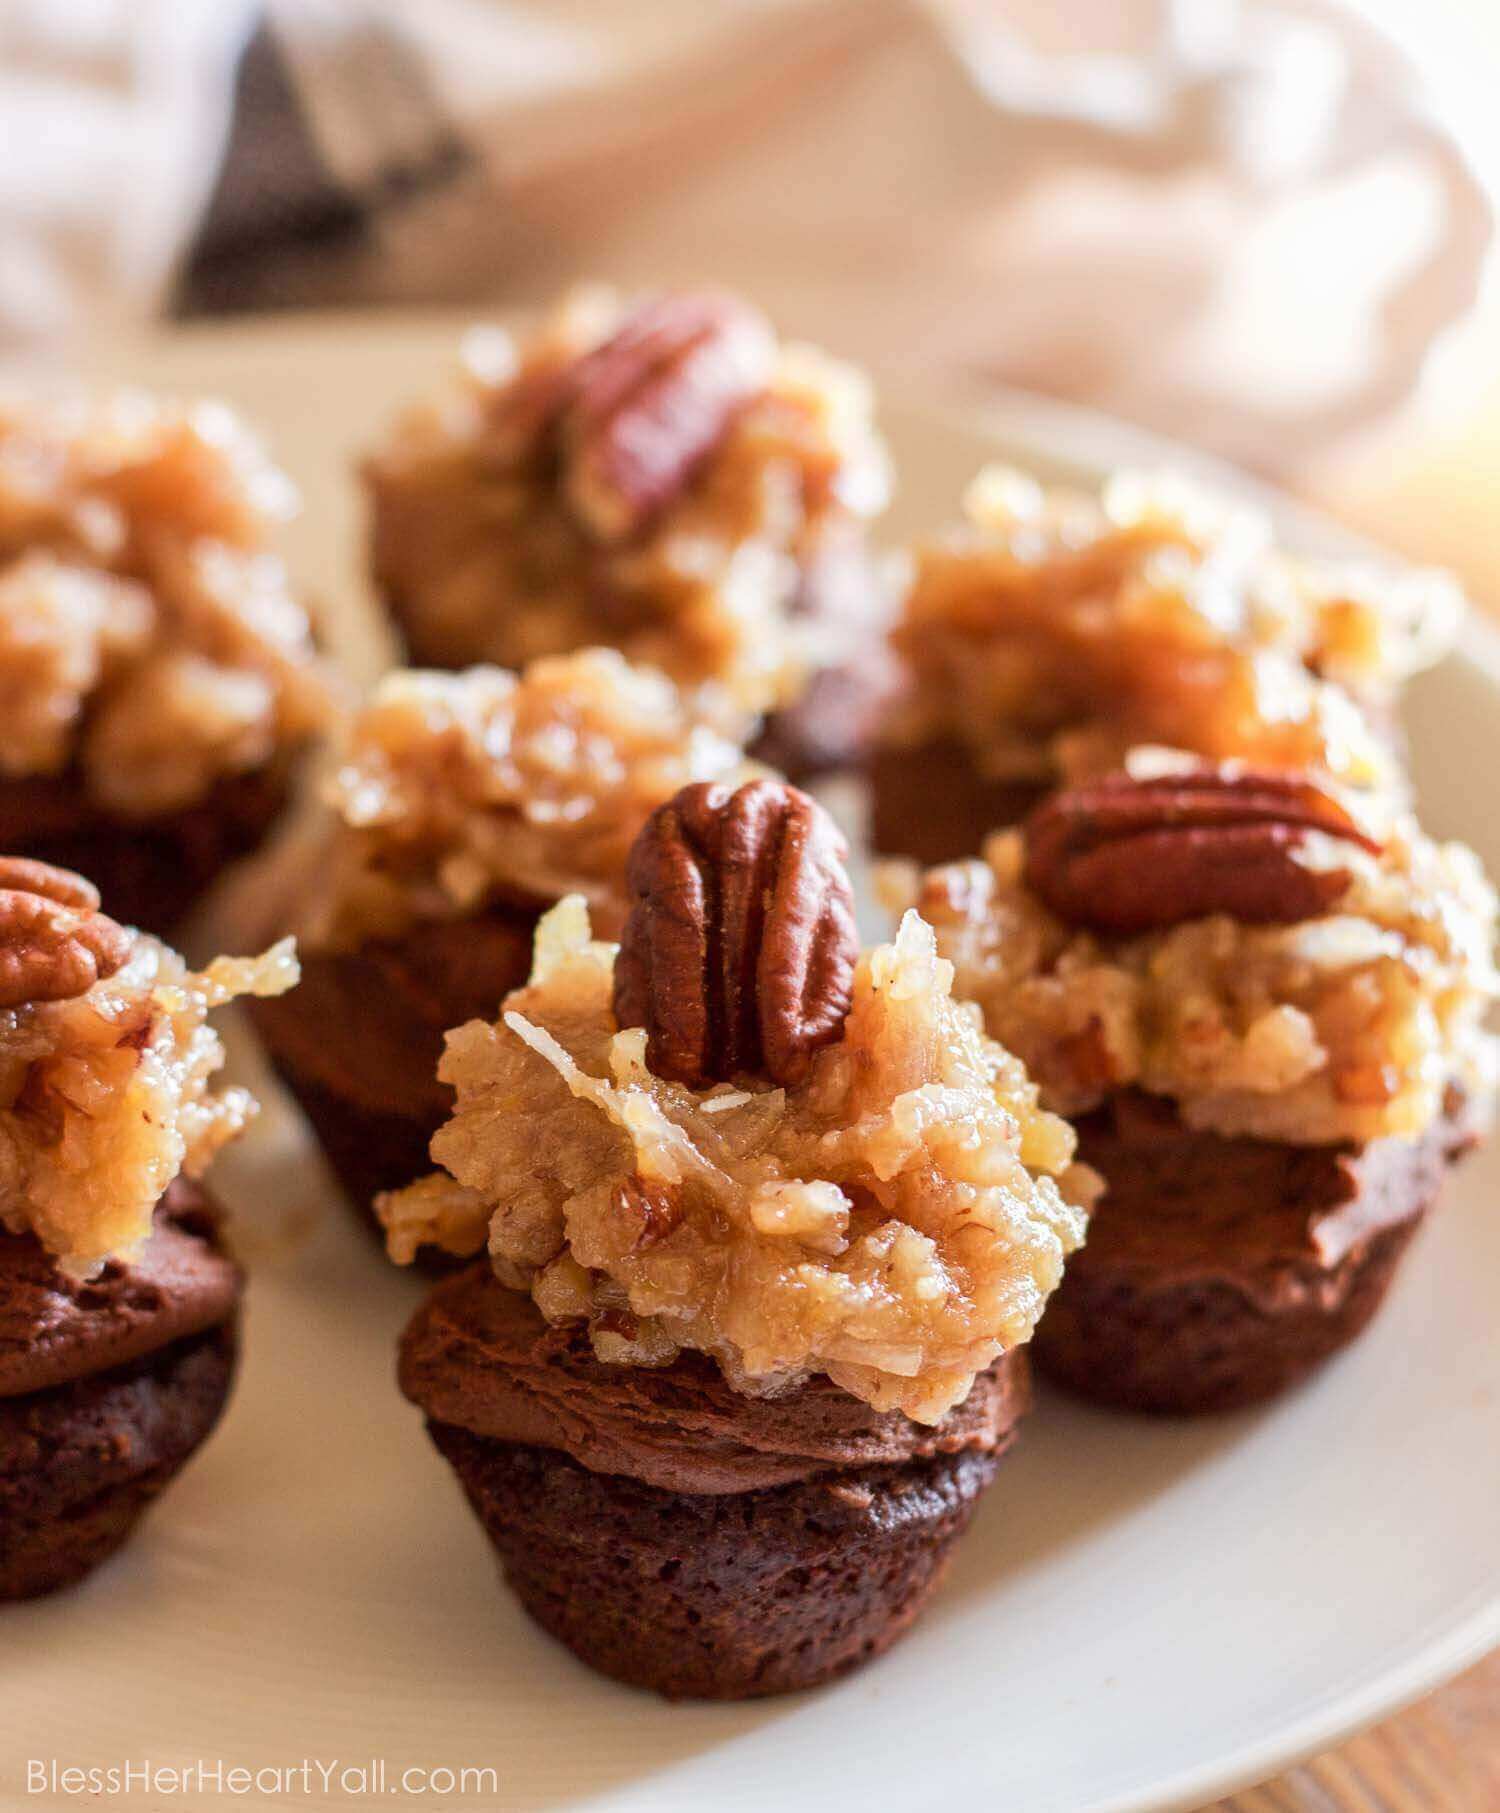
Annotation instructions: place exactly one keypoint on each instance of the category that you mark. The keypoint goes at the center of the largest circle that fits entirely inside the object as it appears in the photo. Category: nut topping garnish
(739, 952)
(1127, 856)
(641, 412)
(55, 944)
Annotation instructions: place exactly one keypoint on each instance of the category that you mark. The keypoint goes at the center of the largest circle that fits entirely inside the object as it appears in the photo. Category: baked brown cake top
(799, 1159)
(460, 790)
(150, 639)
(656, 474)
(107, 1066)
(1265, 954)
(1057, 631)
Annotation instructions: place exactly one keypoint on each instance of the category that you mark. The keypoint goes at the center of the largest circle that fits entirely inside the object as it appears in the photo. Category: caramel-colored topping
(106, 1093)
(658, 477)
(149, 636)
(461, 790)
(895, 1221)
(1349, 1024)
(1059, 631)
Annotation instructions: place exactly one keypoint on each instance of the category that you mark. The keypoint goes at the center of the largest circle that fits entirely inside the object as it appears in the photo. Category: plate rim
(1091, 443)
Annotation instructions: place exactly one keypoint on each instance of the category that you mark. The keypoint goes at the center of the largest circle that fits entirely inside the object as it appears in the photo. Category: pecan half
(1125, 855)
(645, 409)
(738, 955)
(55, 944)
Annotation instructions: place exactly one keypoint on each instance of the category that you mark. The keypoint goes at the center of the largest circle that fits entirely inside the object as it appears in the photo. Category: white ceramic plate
(1144, 1615)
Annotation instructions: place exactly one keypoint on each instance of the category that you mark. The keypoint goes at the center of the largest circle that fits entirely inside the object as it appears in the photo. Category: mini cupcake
(157, 673)
(663, 477)
(1057, 632)
(466, 805)
(1265, 1016)
(118, 1303)
(768, 1224)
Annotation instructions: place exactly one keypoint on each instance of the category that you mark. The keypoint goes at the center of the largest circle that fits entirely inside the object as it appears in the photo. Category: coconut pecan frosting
(737, 1133)
(657, 474)
(151, 643)
(458, 791)
(1055, 631)
(1272, 957)
(107, 1063)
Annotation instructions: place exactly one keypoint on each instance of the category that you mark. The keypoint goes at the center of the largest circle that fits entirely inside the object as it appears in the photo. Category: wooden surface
(1442, 1756)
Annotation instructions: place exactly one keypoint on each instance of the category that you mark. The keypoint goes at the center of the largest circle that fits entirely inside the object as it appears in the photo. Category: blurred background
(1265, 226)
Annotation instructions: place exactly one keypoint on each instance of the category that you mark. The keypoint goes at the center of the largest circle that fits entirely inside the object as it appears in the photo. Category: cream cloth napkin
(1243, 221)
(115, 113)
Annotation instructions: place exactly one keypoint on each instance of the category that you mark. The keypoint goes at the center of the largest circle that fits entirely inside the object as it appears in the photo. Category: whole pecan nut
(55, 944)
(1127, 856)
(644, 410)
(739, 950)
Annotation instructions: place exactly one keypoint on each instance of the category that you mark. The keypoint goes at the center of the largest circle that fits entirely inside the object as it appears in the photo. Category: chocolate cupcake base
(677, 1535)
(721, 1597)
(79, 1464)
(930, 802)
(107, 1388)
(357, 1043)
(1195, 1348)
(1220, 1272)
(368, 1151)
(149, 872)
(833, 724)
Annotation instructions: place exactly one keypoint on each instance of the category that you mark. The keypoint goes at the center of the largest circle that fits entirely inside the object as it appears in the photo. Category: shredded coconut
(1347, 1027)
(457, 790)
(1058, 631)
(106, 1098)
(478, 549)
(149, 638)
(896, 1222)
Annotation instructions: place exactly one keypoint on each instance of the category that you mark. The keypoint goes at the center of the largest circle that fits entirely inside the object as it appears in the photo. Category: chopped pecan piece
(644, 410)
(1127, 856)
(738, 955)
(619, 1322)
(55, 944)
(653, 1207)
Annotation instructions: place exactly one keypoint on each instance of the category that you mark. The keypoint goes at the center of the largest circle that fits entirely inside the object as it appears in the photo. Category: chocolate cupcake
(1056, 633)
(466, 805)
(157, 675)
(118, 1304)
(768, 1224)
(677, 1534)
(1264, 1012)
(662, 477)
